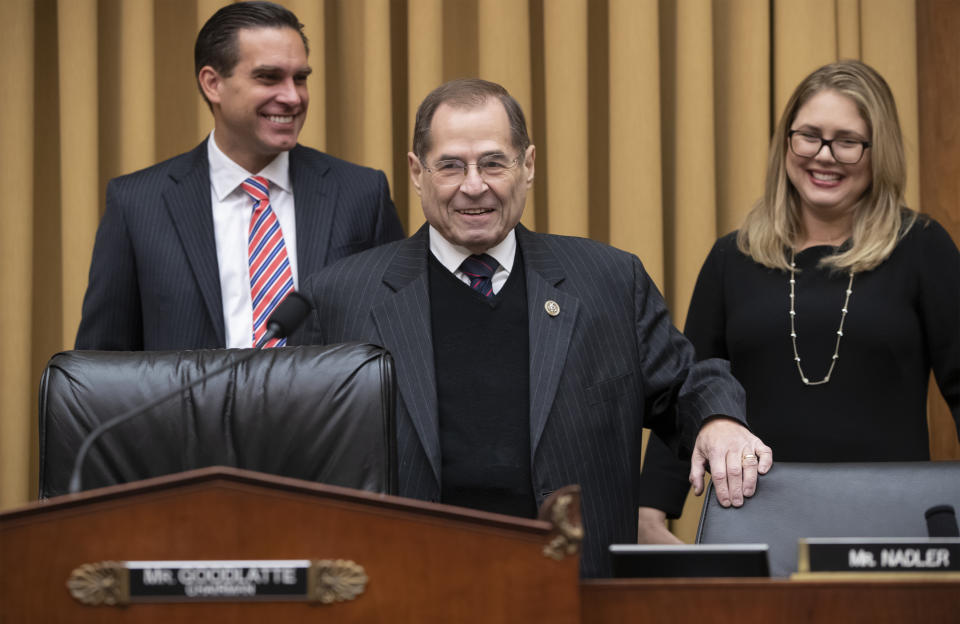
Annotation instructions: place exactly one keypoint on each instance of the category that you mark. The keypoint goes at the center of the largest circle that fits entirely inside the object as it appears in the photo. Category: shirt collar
(226, 175)
(451, 256)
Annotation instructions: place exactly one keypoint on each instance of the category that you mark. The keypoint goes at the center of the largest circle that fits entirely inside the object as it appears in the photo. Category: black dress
(903, 321)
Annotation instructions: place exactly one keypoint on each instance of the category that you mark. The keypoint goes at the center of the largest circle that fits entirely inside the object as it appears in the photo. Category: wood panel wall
(938, 59)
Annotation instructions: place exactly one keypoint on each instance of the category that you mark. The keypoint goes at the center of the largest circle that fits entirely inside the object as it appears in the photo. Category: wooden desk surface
(739, 601)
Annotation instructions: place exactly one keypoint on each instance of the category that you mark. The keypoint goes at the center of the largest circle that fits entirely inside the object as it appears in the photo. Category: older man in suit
(525, 361)
(196, 251)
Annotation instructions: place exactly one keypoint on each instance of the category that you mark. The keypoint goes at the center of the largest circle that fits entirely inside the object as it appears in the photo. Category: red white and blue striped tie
(271, 279)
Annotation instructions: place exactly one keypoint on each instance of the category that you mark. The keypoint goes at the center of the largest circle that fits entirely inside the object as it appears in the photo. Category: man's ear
(416, 170)
(210, 81)
(528, 164)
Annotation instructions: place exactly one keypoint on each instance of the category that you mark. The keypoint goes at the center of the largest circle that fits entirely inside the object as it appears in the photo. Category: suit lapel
(315, 202)
(549, 335)
(188, 202)
(403, 321)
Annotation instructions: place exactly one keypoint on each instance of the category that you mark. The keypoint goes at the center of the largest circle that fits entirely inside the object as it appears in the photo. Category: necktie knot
(480, 269)
(257, 187)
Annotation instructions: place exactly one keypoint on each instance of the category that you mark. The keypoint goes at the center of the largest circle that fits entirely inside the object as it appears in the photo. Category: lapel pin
(552, 307)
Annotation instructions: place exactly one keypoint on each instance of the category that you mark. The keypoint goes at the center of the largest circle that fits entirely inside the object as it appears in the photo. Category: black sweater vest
(481, 354)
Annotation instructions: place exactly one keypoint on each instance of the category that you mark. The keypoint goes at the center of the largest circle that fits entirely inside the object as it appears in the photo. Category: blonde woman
(834, 301)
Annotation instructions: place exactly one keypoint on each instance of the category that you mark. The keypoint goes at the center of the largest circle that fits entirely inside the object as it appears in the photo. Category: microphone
(942, 521)
(287, 316)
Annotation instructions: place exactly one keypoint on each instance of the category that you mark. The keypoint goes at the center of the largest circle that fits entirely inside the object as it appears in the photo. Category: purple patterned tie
(480, 270)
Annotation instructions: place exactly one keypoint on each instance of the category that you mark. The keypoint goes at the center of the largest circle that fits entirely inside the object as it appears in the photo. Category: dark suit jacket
(608, 364)
(154, 281)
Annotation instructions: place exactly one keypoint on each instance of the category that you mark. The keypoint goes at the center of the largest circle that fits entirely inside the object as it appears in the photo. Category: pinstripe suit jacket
(154, 281)
(608, 364)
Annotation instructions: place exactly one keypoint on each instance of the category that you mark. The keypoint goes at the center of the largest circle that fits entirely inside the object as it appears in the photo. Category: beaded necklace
(793, 328)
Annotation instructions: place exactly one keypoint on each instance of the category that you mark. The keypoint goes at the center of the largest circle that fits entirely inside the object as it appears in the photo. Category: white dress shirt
(451, 256)
(232, 210)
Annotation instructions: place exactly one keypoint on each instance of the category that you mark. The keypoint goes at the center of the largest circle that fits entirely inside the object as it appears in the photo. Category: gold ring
(748, 456)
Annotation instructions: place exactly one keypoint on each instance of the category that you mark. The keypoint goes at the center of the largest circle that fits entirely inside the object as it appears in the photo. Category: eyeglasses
(845, 150)
(453, 172)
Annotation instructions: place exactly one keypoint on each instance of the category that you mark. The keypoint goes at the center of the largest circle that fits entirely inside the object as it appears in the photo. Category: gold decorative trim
(562, 510)
(104, 583)
(335, 580)
(803, 556)
(880, 577)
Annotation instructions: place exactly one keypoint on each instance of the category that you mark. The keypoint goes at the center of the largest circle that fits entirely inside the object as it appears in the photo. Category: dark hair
(468, 93)
(217, 41)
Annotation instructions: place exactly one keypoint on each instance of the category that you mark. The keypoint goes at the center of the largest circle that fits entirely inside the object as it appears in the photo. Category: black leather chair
(322, 414)
(796, 500)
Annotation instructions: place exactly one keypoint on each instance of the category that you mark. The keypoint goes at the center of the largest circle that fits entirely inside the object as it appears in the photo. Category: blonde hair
(880, 218)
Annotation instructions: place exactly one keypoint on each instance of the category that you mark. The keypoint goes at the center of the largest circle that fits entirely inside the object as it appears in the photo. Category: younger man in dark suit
(196, 251)
(525, 361)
